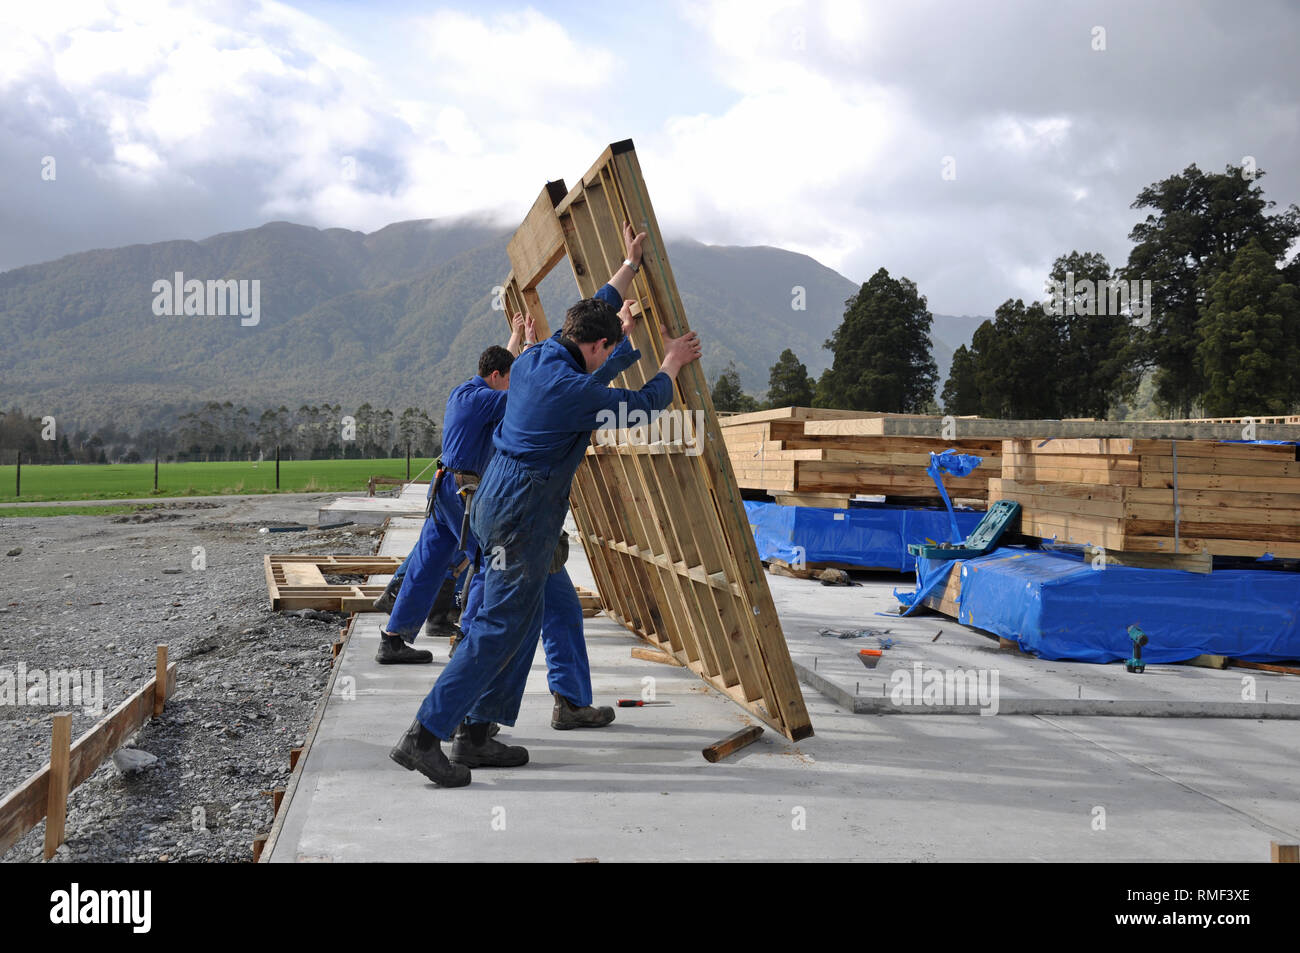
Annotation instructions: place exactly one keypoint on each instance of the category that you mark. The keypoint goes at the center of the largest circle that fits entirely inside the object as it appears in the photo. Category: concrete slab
(950, 787)
(1024, 684)
(373, 510)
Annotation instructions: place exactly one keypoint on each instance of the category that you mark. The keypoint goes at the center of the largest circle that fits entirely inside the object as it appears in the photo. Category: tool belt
(463, 478)
(466, 484)
(433, 492)
(466, 491)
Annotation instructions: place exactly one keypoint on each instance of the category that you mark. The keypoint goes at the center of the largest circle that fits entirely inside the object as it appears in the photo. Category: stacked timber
(1170, 497)
(807, 457)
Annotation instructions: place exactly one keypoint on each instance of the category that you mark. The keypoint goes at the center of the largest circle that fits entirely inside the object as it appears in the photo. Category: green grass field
(94, 509)
(132, 480)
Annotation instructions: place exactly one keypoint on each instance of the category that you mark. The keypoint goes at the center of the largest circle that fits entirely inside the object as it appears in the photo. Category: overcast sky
(820, 127)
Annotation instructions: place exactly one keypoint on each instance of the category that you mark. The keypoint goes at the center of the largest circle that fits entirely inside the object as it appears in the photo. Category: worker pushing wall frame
(662, 522)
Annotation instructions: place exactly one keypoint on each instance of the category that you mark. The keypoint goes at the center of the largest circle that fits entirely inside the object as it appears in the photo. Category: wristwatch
(628, 262)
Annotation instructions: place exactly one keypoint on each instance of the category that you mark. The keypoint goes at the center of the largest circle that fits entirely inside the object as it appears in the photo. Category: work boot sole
(407, 656)
(416, 658)
(560, 725)
(568, 726)
(502, 760)
(411, 763)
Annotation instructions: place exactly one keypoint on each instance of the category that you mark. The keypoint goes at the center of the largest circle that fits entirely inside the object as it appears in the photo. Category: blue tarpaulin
(954, 464)
(1058, 606)
(872, 535)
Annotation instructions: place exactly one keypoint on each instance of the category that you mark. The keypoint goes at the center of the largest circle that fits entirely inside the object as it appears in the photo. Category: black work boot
(445, 611)
(437, 626)
(388, 597)
(442, 617)
(393, 650)
(420, 750)
(474, 748)
(567, 715)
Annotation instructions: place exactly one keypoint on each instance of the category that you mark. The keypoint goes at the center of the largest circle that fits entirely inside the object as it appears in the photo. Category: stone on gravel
(16, 551)
(274, 668)
(129, 760)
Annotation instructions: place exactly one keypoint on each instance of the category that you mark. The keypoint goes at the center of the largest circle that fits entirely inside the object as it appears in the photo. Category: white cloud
(1027, 134)
(278, 98)
(815, 125)
(137, 156)
(780, 167)
(842, 111)
(517, 60)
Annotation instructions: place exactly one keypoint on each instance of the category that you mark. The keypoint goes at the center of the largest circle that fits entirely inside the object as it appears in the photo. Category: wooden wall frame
(662, 523)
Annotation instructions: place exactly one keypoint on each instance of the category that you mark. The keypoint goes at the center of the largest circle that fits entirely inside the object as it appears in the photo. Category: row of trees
(1032, 362)
(1220, 333)
(1206, 307)
(882, 359)
(222, 431)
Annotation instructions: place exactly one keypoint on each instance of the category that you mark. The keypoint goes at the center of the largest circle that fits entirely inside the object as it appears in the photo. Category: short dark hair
(590, 320)
(495, 358)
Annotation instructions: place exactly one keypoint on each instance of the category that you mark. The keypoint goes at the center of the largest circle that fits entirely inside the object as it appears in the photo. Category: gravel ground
(99, 593)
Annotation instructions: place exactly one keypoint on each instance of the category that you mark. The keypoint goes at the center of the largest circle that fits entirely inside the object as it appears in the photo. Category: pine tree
(1250, 338)
(1095, 366)
(961, 395)
(788, 383)
(882, 351)
(1017, 359)
(728, 394)
(1199, 223)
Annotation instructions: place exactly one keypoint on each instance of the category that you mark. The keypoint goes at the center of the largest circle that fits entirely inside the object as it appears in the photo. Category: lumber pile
(1156, 496)
(808, 457)
(898, 425)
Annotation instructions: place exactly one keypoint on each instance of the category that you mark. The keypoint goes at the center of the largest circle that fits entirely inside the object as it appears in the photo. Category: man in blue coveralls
(568, 672)
(521, 335)
(470, 418)
(473, 410)
(517, 517)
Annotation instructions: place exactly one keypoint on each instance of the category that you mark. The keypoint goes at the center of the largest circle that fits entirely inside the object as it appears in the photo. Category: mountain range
(396, 317)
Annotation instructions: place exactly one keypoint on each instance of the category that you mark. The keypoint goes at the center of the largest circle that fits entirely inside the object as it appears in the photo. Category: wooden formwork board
(298, 581)
(662, 523)
(25, 806)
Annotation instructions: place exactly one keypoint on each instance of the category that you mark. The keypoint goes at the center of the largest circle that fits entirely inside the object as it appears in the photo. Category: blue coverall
(473, 411)
(517, 516)
(456, 560)
(400, 574)
(568, 671)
